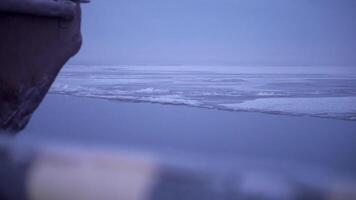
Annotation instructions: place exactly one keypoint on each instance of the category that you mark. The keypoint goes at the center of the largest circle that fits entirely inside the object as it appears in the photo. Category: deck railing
(63, 172)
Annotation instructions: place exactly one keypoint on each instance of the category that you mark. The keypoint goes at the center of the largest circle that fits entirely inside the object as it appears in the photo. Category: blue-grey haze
(219, 32)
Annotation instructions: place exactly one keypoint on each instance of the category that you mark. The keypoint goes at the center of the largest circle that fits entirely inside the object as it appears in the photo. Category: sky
(219, 32)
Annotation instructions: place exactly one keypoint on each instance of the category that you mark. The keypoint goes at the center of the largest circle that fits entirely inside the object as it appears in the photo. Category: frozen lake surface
(313, 91)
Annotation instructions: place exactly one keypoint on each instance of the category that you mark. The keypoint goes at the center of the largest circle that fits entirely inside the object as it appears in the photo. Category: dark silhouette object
(37, 37)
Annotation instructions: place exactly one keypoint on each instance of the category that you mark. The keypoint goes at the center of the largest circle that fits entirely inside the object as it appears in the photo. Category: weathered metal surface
(33, 49)
(64, 9)
(49, 8)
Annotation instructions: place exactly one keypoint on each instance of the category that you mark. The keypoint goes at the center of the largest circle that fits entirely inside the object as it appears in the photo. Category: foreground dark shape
(36, 40)
(38, 171)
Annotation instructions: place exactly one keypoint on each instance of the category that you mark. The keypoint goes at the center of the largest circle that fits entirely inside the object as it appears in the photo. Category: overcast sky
(219, 32)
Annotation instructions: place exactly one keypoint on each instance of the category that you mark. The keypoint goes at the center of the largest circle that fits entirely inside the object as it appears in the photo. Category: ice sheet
(314, 91)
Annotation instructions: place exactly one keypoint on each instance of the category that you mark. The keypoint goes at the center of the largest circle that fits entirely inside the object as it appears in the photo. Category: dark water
(206, 137)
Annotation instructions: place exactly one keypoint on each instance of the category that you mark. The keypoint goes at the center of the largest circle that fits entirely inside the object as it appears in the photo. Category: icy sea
(313, 91)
